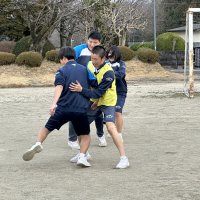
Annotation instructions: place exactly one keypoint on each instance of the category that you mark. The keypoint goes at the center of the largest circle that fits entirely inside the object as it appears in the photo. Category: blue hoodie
(72, 101)
(120, 74)
(83, 54)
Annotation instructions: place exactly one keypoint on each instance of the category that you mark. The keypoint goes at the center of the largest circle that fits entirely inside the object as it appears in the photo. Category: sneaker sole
(123, 167)
(75, 161)
(30, 154)
(102, 145)
(82, 165)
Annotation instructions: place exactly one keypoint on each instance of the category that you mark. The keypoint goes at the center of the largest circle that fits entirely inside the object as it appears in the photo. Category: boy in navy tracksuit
(67, 106)
(119, 67)
(83, 56)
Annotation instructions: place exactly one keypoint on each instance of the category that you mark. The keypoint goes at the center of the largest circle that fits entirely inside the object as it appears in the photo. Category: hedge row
(7, 58)
(148, 55)
(34, 59)
(30, 59)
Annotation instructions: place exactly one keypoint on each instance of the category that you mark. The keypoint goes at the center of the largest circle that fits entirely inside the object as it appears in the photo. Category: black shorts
(79, 121)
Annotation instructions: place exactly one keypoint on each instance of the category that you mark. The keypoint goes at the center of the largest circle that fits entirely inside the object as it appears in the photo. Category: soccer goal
(189, 54)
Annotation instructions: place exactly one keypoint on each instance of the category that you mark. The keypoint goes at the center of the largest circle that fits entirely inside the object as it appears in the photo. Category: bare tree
(43, 16)
(125, 15)
(40, 17)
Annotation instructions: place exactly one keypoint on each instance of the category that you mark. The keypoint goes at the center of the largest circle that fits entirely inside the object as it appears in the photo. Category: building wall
(196, 35)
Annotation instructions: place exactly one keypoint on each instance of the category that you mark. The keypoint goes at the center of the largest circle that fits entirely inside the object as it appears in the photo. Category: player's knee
(118, 115)
(110, 127)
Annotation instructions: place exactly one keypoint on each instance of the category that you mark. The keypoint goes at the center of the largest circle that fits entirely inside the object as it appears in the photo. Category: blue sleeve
(92, 79)
(120, 71)
(106, 83)
(59, 78)
(79, 48)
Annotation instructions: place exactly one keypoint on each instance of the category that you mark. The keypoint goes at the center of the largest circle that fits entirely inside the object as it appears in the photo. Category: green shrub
(47, 47)
(148, 55)
(170, 42)
(136, 46)
(22, 45)
(7, 46)
(127, 53)
(30, 59)
(6, 58)
(52, 56)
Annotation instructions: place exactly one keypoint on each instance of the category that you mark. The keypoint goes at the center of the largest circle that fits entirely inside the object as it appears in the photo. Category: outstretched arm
(57, 93)
(59, 82)
(106, 83)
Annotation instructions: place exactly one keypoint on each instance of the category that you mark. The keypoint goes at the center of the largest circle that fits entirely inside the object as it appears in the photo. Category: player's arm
(106, 83)
(92, 79)
(78, 49)
(120, 72)
(59, 82)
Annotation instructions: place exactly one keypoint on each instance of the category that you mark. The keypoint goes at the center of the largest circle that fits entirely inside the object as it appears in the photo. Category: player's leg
(118, 114)
(99, 127)
(82, 128)
(109, 118)
(54, 122)
(97, 115)
(72, 141)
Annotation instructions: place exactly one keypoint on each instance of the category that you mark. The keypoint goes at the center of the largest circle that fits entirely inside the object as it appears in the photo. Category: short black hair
(114, 52)
(99, 50)
(67, 52)
(95, 35)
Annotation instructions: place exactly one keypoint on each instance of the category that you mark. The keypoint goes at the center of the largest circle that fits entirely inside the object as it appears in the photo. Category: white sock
(123, 157)
(38, 143)
(81, 155)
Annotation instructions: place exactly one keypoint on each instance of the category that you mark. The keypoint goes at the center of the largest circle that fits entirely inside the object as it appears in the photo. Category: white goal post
(189, 53)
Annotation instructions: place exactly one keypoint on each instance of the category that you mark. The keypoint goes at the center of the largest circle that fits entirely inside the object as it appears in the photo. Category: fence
(175, 59)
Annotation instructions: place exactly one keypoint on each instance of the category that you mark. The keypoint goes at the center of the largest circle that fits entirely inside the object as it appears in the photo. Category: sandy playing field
(162, 140)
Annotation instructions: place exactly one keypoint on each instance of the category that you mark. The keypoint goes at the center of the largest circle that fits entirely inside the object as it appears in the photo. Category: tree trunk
(69, 40)
(62, 38)
(62, 41)
(38, 44)
(122, 38)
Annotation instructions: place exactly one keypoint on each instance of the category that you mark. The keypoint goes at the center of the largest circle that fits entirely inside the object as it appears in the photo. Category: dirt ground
(21, 76)
(161, 137)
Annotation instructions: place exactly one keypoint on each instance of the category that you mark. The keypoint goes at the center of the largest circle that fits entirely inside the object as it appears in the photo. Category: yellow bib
(110, 96)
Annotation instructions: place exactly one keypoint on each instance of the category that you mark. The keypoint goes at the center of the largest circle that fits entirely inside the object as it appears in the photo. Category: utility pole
(154, 22)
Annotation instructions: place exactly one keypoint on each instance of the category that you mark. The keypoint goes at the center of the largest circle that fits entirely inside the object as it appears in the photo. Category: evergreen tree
(11, 22)
(175, 12)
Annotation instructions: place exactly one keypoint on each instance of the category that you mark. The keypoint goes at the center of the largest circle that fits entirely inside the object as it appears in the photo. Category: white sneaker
(123, 163)
(82, 161)
(74, 145)
(36, 148)
(75, 158)
(102, 141)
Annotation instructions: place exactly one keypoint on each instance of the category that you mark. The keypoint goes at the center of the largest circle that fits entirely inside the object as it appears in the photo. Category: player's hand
(52, 110)
(75, 87)
(94, 105)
